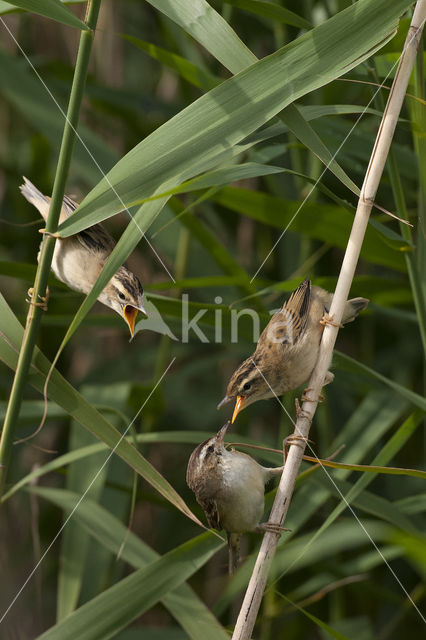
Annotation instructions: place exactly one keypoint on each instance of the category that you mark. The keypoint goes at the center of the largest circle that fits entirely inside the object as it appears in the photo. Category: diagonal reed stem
(253, 597)
(48, 243)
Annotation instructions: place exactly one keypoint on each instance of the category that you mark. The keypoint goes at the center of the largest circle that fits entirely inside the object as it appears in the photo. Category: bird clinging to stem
(288, 347)
(79, 259)
(230, 485)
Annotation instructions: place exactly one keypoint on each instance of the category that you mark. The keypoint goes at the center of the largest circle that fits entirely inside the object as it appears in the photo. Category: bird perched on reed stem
(79, 259)
(288, 347)
(230, 486)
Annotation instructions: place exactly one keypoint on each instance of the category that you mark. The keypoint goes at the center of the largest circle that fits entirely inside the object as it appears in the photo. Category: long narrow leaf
(66, 396)
(328, 223)
(391, 447)
(186, 69)
(346, 363)
(369, 502)
(74, 540)
(322, 625)
(214, 33)
(115, 608)
(182, 603)
(187, 144)
(271, 11)
(53, 9)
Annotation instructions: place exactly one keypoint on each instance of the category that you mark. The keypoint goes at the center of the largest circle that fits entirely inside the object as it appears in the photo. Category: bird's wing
(295, 311)
(212, 513)
(69, 206)
(96, 239)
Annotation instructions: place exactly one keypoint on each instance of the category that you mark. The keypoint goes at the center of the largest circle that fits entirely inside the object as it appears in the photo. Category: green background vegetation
(150, 62)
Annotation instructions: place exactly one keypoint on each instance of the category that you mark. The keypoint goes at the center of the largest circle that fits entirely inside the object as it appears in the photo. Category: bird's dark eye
(247, 386)
(210, 449)
(121, 295)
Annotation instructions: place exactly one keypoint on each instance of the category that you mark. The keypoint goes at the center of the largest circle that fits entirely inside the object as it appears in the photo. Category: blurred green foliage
(146, 68)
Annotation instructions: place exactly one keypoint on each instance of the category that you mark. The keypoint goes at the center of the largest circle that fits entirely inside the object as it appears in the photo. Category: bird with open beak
(230, 486)
(288, 347)
(79, 259)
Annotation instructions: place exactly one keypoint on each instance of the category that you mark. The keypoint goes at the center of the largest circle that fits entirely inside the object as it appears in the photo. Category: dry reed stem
(253, 597)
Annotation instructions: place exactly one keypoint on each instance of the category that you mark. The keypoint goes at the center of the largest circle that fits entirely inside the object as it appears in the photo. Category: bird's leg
(44, 299)
(298, 440)
(233, 552)
(299, 411)
(271, 527)
(49, 234)
(328, 319)
(306, 398)
(329, 377)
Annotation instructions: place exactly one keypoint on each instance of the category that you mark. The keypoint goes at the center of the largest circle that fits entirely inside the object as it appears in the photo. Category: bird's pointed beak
(142, 308)
(225, 400)
(222, 432)
(241, 400)
(130, 314)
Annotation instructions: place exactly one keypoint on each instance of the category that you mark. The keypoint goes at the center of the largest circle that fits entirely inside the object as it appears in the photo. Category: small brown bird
(79, 259)
(288, 347)
(230, 486)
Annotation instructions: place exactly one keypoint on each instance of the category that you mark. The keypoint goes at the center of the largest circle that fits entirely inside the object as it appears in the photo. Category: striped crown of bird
(79, 259)
(229, 486)
(288, 347)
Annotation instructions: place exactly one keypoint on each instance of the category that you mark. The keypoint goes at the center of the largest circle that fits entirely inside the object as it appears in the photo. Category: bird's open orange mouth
(241, 400)
(130, 313)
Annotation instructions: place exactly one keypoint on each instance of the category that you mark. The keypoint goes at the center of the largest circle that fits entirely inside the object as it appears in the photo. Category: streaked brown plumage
(287, 349)
(229, 486)
(79, 259)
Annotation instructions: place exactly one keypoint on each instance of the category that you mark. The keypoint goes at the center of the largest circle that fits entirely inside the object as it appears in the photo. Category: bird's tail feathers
(33, 195)
(353, 308)
(233, 552)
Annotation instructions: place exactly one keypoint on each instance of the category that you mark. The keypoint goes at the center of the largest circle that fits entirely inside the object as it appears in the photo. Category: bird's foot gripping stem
(48, 233)
(328, 319)
(44, 299)
(271, 527)
(306, 398)
(297, 440)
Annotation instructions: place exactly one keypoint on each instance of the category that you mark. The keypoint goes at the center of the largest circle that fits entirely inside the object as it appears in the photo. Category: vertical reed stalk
(253, 597)
(48, 244)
